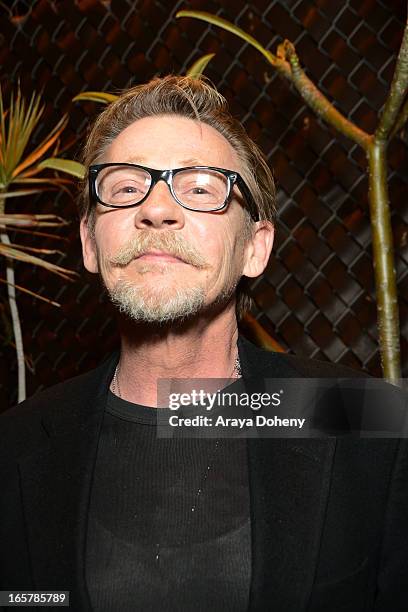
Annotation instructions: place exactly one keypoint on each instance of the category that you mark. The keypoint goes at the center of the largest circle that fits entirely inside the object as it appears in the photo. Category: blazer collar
(288, 479)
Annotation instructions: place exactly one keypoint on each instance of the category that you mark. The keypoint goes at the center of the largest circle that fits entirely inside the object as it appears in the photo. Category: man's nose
(159, 210)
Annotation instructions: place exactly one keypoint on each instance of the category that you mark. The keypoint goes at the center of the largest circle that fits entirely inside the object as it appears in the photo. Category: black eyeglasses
(198, 188)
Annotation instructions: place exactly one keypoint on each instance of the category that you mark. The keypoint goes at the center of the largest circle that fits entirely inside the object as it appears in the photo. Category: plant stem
(317, 101)
(397, 93)
(383, 258)
(15, 317)
(393, 118)
(401, 121)
(18, 337)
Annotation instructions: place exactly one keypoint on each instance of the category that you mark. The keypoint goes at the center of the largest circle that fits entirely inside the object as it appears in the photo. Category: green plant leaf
(16, 127)
(95, 96)
(17, 194)
(23, 247)
(230, 27)
(197, 69)
(13, 253)
(47, 180)
(43, 147)
(32, 220)
(64, 165)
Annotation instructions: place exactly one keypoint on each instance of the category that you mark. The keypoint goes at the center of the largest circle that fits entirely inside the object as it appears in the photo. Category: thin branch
(384, 263)
(317, 101)
(28, 220)
(401, 120)
(19, 230)
(397, 92)
(281, 66)
(23, 247)
(286, 62)
(36, 295)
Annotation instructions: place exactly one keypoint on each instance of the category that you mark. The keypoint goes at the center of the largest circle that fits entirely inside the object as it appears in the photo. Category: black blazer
(329, 516)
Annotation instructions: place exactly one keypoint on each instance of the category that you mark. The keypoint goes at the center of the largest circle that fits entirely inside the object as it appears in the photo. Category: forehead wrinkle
(198, 157)
(143, 161)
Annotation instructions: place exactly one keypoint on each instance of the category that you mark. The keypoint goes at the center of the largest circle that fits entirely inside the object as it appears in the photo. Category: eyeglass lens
(200, 189)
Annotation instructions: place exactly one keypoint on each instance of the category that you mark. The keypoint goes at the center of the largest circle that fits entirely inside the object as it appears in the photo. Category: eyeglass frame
(232, 176)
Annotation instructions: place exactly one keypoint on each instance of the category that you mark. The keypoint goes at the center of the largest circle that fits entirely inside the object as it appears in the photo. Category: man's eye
(199, 191)
(125, 189)
(129, 189)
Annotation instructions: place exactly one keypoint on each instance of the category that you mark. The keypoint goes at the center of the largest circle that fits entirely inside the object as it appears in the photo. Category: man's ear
(88, 247)
(258, 249)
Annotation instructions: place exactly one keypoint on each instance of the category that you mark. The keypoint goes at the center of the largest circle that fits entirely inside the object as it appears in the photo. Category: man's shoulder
(259, 361)
(72, 389)
(26, 425)
(317, 368)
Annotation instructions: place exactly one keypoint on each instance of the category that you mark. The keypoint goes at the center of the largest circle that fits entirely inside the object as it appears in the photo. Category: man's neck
(203, 348)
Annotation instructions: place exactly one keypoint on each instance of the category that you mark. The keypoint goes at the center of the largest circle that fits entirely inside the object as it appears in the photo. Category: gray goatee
(153, 302)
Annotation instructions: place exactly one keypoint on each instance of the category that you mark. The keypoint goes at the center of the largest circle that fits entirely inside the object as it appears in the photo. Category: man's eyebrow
(191, 161)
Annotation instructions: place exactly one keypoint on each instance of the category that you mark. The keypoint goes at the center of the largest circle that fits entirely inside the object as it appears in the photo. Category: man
(178, 208)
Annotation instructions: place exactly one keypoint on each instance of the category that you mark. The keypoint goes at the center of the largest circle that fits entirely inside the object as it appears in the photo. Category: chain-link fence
(317, 296)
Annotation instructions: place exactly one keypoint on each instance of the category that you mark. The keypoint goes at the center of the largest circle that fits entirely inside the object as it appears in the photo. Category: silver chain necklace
(236, 373)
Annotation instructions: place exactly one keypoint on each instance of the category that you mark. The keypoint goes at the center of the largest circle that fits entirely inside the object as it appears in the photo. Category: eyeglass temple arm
(249, 199)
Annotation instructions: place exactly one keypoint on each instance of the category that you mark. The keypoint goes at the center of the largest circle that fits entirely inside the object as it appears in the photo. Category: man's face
(159, 261)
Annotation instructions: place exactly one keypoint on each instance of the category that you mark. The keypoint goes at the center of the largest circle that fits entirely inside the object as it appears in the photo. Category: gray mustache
(167, 241)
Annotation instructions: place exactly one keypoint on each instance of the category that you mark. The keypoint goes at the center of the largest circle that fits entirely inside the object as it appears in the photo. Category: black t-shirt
(169, 526)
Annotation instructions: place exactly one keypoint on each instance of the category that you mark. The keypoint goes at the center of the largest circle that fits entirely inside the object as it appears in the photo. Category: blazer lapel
(56, 485)
(289, 482)
(289, 487)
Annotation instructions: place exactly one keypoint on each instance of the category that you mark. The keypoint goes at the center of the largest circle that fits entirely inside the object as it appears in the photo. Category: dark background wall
(317, 296)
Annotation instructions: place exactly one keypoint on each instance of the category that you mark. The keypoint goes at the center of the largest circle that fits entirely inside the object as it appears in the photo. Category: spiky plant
(22, 175)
